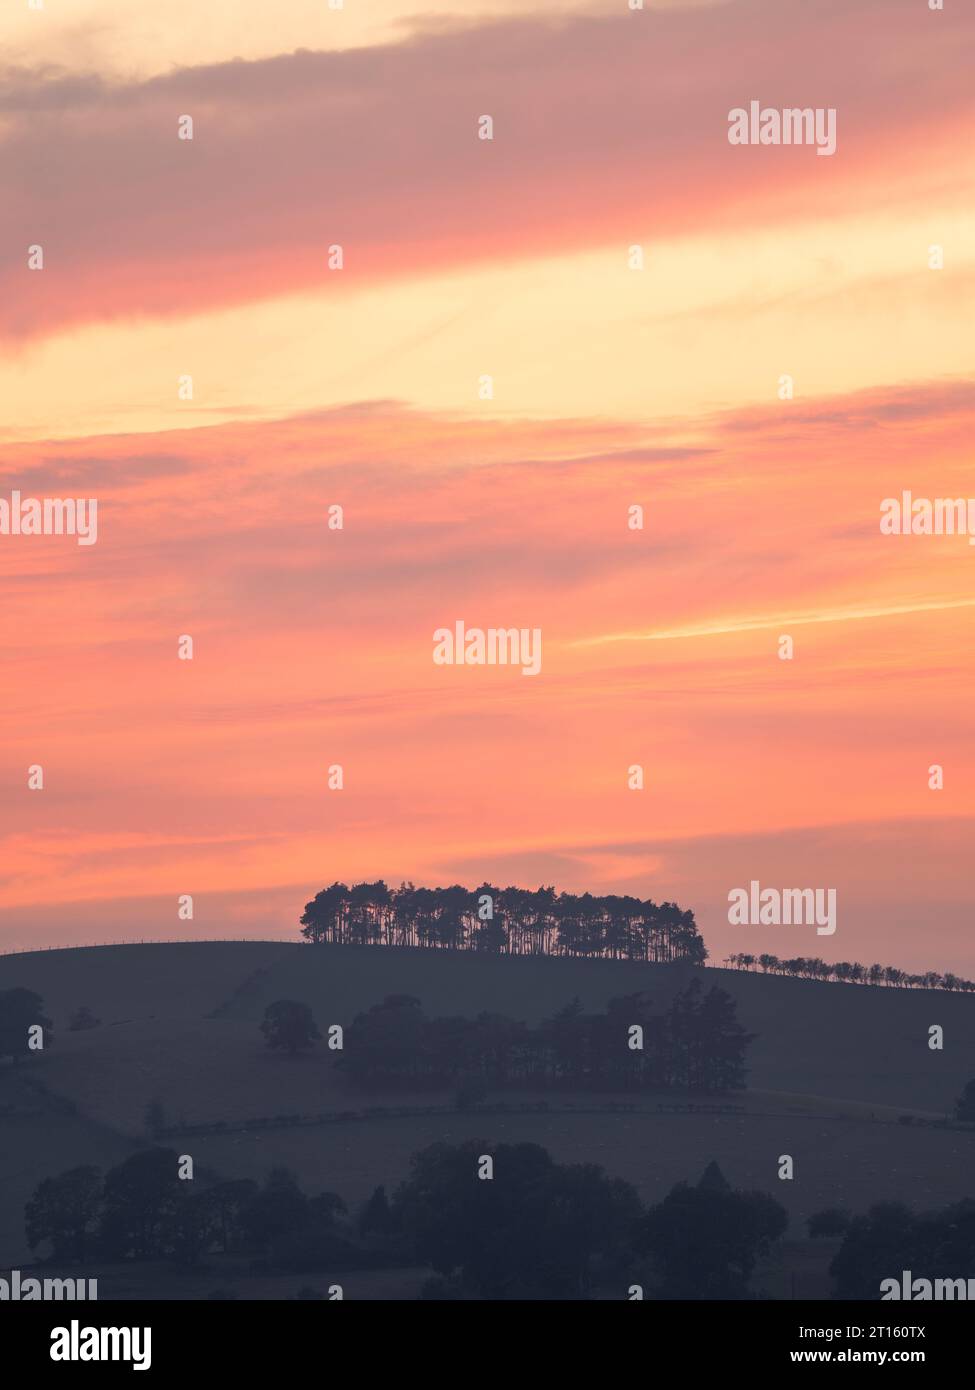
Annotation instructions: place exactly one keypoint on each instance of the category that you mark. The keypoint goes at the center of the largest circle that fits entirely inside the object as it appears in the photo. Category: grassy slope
(820, 1039)
(827, 1040)
(178, 1025)
(39, 1140)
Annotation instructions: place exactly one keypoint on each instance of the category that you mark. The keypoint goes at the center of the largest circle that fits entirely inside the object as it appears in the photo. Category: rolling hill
(831, 1072)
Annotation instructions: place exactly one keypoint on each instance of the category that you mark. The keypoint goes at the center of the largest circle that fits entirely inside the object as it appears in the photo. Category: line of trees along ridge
(850, 972)
(504, 921)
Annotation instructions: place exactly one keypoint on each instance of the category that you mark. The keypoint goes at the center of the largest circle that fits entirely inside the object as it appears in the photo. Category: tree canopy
(704, 1241)
(697, 1044)
(509, 921)
(289, 1024)
(532, 1230)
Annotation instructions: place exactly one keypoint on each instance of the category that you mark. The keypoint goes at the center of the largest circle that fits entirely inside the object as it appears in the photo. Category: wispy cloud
(779, 622)
(376, 149)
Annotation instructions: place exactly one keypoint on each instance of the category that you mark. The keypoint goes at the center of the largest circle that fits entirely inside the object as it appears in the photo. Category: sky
(614, 386)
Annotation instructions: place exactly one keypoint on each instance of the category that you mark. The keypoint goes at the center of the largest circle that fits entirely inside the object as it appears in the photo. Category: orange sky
(613, 387)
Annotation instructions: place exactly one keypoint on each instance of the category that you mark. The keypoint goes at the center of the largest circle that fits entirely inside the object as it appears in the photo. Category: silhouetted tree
(721, 1042)
(876, 1247)
(375, 1218)
(289, 1024)
(323, 916)
(532, 1231)
(852, 972)
(386, 1045)
(713, 1180)
(707, 1044)
(705, 1240)
(513, 921)
(293, 1231)
(279, 1208)
(698, 1045)
(228, 1200)
(193, 1228)
(64, 1210)
(141, 1197)
(318, 1240)
(891, 1238)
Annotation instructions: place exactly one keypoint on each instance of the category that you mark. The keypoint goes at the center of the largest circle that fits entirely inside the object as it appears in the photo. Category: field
(833, 1069)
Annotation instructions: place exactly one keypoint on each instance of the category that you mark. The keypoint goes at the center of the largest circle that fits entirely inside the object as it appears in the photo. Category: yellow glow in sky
(707, 325)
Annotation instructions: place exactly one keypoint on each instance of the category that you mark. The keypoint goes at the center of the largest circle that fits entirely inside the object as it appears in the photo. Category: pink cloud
(603, 127)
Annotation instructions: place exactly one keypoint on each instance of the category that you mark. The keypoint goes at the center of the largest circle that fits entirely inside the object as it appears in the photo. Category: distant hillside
(849, 1042)
(833, 1069)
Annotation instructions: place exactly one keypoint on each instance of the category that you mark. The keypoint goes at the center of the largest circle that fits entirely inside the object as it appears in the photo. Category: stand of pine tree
(508, 921)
